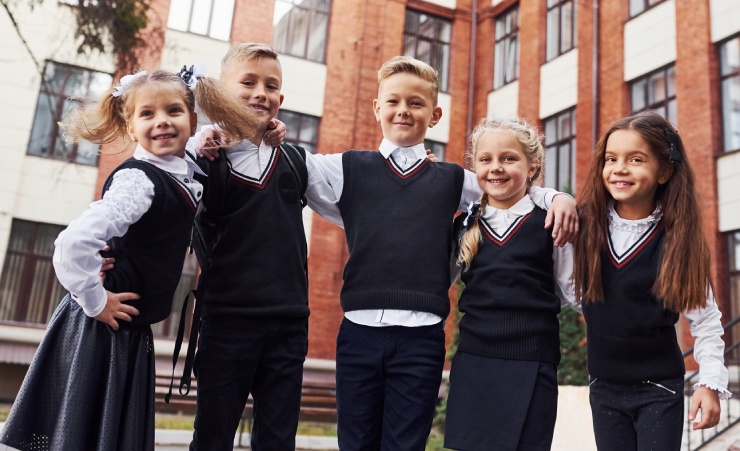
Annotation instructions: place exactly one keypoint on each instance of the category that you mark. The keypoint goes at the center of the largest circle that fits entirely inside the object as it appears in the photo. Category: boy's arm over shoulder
(325, 184)
(561, 213)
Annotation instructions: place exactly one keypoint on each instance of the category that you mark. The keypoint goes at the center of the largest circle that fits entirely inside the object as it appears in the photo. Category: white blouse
(706, 324)
(77, 260)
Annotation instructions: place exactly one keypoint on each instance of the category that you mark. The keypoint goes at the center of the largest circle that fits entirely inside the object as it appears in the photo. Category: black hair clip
(673, 143)
(186, 75)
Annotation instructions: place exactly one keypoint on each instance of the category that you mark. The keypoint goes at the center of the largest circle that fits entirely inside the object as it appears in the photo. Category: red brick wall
(532, 34)
(585, 105)
(252, 21)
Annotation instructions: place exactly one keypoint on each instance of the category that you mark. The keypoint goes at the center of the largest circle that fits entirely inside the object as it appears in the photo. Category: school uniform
(634, 359)
(396, 207)
(90, 387)
(254, 326)
(503, 382)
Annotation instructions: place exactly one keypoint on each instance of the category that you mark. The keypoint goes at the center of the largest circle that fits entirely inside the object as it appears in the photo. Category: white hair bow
(190, 76)
(125, 81)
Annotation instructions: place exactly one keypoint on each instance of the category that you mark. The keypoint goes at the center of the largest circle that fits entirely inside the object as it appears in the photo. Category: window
(506, 50)
(61, 88)
(427, 38)
(437, 148)
(210, 18)
(560, 151)
(656, 91)
(730, 76)
(29, 290)
(301, 28)
(301, 129)
(640, 6)
(561, 27)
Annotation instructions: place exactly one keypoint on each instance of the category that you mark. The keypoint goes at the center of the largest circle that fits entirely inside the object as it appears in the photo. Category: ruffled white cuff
(723, 392)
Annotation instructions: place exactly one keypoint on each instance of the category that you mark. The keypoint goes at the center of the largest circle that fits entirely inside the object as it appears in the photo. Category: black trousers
(388, 381)
(638, 417)
(238, 356)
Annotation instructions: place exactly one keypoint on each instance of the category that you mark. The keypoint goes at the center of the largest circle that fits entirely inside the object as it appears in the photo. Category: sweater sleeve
(706, 328)
(77, 259)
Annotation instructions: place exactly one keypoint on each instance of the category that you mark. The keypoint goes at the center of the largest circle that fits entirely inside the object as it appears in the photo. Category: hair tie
(126, 80)
(190, 76)
(674, 156)
(473, 213)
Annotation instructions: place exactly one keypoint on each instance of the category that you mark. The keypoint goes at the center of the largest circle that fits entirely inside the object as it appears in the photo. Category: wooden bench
(318, 401)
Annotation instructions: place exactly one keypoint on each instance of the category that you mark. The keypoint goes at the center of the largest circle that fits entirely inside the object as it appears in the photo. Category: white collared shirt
(249, 159)
(325, 184)
(77, 260)
(705, 323)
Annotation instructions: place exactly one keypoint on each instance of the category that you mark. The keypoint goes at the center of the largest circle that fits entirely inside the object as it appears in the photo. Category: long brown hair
(106, 120)
(530, 141)
(684, 273)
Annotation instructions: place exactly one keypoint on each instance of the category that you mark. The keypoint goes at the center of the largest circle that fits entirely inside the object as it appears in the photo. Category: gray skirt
(88, 388)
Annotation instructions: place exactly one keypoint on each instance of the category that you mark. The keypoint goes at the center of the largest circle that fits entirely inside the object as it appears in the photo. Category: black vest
(258, 264)
(398, 226)
(509, 298)
(150, 256)
(631, 337)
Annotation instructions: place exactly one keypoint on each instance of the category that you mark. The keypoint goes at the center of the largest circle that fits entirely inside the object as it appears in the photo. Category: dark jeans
(643, 416)
(388, 382)
(237, 356)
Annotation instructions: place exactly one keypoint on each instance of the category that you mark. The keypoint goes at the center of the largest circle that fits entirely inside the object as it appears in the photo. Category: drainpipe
(595, 75)
(471, 71)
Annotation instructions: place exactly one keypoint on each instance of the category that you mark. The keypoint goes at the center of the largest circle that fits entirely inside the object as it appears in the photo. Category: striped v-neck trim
(502, 238)
(260, 182)
(408, 172)
(620, 260)
(187, 194)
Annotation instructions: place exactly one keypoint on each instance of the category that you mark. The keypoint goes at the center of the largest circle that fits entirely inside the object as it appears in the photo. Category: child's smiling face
(257, 81)
(405, 109)
(161, 121)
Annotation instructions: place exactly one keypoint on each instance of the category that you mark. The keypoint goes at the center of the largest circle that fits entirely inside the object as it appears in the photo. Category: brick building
(570, 66)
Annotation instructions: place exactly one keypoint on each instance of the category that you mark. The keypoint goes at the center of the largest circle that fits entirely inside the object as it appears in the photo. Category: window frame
(311, 13)
(555, 144)
(723, 78)
(663, 105)
(58, 100)
(435, 43)
(209, 27)
(553, 5)
(302, 120)
(500, 54)
(645, 4)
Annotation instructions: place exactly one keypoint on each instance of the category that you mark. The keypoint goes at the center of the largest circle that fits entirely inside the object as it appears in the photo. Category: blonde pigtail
(235, 119)
(101, 122)
(471, 238)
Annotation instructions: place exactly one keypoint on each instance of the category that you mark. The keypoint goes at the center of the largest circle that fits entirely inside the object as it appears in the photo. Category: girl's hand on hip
(115, 309)
(707, 400)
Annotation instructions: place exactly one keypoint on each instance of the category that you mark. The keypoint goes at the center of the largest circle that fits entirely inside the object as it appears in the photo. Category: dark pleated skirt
(88, 388)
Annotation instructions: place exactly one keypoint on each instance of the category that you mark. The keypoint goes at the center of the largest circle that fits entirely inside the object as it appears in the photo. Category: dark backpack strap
(296, 158)
(178, 344)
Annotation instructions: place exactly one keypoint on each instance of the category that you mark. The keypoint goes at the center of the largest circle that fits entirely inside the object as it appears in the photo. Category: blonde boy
(397, 207)
(253, 290)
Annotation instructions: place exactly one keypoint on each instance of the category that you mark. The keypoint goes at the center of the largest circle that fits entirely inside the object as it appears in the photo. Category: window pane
(551, 167)
(77, 83)
(656, 88)
(553, 32)
(671, 85)
(223, 12)
(178, 17)
(551, 133)
(281, 25)
(564, 168)
(40, 142)
(563, 126)
(638, 95)
(730, 56)
(54, 77)
(309, 130)
(317, 37)
(566, 27)
(731, 112)
(511, 61)
(298, 32)
(498, 65)
(199, 18)
(672, 112)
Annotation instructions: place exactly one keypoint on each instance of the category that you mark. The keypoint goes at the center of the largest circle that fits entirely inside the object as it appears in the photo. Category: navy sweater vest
(258, 264)
(150, 256)
(398, 226)
(631, 337)
(509, 298)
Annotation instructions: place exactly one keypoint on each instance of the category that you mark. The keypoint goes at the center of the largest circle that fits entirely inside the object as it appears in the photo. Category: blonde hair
(247, 51)
(409, 65)
(531, 143)
(106, 120)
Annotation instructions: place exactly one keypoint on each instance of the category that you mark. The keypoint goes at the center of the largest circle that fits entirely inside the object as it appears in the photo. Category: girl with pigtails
(91, 383)
(641, 260)
(503, 385)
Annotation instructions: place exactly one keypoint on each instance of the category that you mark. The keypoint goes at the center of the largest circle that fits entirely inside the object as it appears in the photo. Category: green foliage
(572, 369)
(113, 26)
